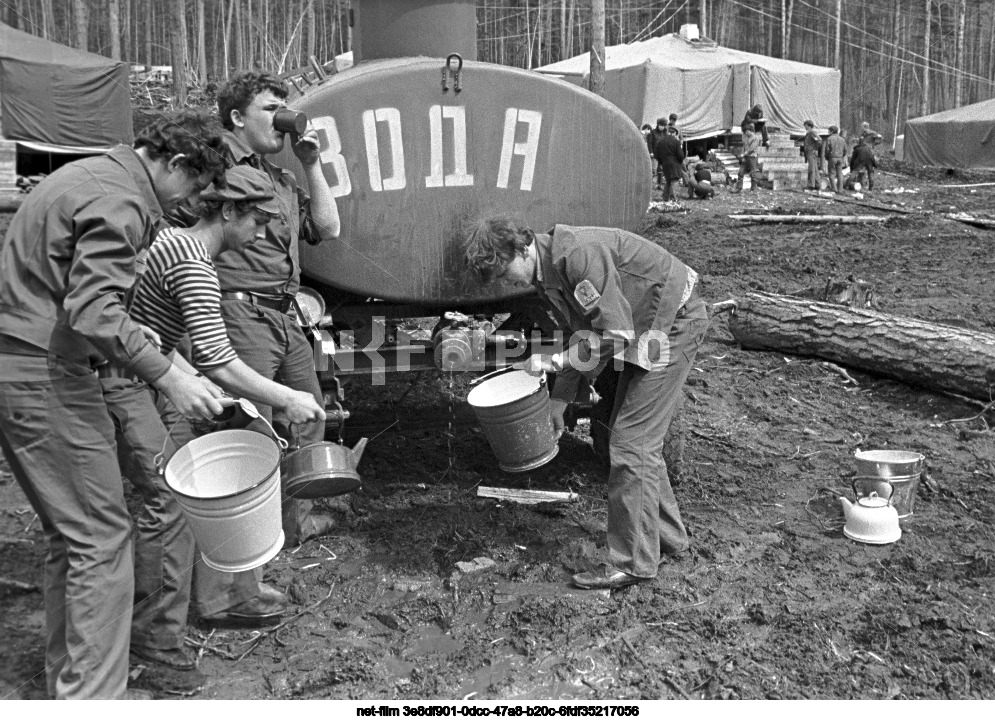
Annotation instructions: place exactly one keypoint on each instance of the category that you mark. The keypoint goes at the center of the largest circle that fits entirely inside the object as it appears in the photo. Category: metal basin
(889, 464)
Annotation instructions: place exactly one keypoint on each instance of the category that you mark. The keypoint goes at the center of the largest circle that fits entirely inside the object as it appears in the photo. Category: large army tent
(960, 138)
(54, 95)
(708, 86)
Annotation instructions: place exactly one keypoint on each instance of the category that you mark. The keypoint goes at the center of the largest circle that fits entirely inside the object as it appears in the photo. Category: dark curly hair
(238, 93)
(494, 242)
(195, 134)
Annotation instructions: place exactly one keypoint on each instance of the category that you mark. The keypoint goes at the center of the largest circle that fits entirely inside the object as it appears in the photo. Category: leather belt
(109, 370)
(282, 303)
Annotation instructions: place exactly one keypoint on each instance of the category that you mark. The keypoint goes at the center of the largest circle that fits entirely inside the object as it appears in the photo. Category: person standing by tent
(637, 309)
(835, 152)
(66, 264)
(654, 136)
(812, 149)
(863, 161)
(669, 154)
(755, 115)
(749, 160)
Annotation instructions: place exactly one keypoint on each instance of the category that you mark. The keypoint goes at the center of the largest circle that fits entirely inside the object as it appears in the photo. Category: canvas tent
(709, 87)
(960, 138)
(53, 95)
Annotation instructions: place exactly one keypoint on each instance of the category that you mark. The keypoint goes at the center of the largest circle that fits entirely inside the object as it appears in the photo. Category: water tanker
(417, 140)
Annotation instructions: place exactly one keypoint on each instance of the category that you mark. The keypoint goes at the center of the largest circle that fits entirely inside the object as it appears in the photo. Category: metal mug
(286, 120)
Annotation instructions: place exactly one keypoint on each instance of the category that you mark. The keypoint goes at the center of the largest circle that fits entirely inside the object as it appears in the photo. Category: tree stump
(906, 349)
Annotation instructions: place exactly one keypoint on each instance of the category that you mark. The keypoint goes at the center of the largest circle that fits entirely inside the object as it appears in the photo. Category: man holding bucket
(179, 295)
(66, 264)
(630, 303)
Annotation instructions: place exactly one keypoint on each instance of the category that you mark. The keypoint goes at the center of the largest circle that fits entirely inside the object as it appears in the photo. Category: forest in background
(899, 59)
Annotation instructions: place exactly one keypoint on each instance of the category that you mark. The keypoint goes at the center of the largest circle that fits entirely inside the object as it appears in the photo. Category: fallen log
(849, 219)
(971, 220)
(528, 497)
(906, 349)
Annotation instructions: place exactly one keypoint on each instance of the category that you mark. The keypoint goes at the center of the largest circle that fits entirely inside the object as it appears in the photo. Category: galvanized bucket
(902, 469)
(513, 410)
(227, 484)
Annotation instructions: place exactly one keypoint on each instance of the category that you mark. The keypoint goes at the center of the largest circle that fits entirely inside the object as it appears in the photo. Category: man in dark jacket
(635, 307)
(755, 115)
(863, 161)
(669, 154)
(652, 138)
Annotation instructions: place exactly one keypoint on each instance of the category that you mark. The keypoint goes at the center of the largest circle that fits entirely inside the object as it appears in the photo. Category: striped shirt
(178, 294)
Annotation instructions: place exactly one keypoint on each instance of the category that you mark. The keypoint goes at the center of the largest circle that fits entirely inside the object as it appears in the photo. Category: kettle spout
(847, 506)
(357, 451)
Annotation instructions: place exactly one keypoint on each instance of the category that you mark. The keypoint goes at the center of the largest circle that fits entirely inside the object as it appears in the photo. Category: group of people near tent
(828, 155)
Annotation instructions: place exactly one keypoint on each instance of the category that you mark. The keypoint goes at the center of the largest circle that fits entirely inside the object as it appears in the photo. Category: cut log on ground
(906, 349)
(849, 219)
(985, 223)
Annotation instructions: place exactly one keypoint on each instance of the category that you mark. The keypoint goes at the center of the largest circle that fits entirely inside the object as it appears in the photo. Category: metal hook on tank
(446, 69)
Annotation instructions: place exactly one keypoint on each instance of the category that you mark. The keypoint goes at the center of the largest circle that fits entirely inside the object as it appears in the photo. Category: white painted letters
(392, 117)
(331, 154)
(459, 176)
(527, 149)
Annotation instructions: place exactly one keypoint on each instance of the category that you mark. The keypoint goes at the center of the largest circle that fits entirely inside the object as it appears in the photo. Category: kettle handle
(880, 484)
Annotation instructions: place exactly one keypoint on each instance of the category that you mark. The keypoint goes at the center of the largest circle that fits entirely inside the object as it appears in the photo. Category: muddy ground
(772, 601)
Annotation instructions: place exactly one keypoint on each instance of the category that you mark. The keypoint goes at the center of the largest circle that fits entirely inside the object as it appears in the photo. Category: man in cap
(178, 295)
(66, 264)
(636, 307)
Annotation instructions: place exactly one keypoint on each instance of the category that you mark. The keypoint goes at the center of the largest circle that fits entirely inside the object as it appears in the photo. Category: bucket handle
(499, 371)
(158, 458)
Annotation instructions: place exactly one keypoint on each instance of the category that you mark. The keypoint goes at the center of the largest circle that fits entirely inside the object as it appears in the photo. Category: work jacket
(69, 259)
(270, 266)
(615, 284)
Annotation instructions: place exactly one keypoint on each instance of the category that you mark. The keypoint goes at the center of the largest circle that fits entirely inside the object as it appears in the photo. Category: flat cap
(245, 184)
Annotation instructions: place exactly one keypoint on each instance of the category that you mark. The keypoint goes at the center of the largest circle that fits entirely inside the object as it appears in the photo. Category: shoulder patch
(586, 294)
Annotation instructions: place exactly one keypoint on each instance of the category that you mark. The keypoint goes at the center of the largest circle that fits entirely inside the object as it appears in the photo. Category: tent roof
(675, 52)
(982, 111)
(18, 45)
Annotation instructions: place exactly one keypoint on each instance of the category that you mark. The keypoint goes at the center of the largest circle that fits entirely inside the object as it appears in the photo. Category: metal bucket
(513, 410)
(902, 469)
(889, 464)
(903, 493)
(228, 485)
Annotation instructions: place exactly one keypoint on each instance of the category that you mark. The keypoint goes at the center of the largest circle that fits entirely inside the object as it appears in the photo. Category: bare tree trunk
(597, 80)
(703, 17)
(201, 43)
(237, 39)
(839, 22)
(178, 50)
(563, 30)
(149, 16)
(925, 61)
(47, 19)
(908, 349)
(570, 30)
(114, 27)
(81, 16)
(787, 34)
(311, 30)
(958, 77)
